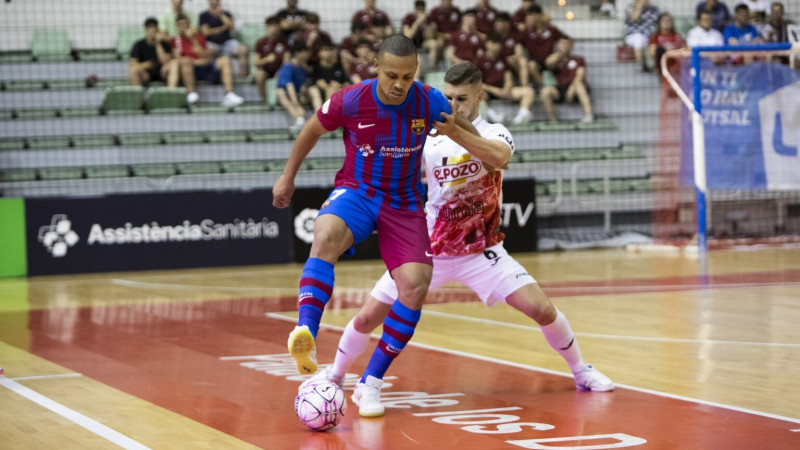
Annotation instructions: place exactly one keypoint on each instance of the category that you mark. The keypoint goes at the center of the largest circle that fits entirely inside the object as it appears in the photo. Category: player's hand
(282, 191)
(447, 125)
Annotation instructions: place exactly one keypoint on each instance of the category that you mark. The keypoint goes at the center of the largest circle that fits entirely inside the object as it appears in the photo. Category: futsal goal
(727, 159)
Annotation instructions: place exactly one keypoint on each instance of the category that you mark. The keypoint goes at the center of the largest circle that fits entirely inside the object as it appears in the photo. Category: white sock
(351, 346)
(560, 336)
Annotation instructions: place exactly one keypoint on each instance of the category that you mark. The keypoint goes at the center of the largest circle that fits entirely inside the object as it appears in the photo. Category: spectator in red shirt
(271, 50)
(539, 39)
(511, 49)
(498, 82)
(465, 45)
(570, 73)
(196, 63)
(485, 14)
(665, 38)
(518, 19)
(312, 37)
(414, 24)
(443, 21)
(369, 14)
(347, 49)
(363, 68)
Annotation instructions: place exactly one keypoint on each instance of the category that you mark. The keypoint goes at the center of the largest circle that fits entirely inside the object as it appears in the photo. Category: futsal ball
(320, 406)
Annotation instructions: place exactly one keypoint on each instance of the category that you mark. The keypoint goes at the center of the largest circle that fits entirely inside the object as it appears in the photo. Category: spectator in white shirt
(703, 35)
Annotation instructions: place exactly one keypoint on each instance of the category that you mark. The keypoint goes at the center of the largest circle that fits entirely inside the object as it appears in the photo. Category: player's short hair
(504, 16)
(494, 37)
(312, 18)
(419, 3)
(534, 9)
(741, 6)
(151, 22)
(397, 45)
(470, 12)
(180, 17)
(463, 73)
(357, 26)
(271, 20)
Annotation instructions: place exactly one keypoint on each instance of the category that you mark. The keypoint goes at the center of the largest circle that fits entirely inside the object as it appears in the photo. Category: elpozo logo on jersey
(456, 170)
(58, 237)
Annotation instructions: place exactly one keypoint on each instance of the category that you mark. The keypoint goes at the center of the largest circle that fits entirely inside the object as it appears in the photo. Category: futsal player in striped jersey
(463, 214)
(385, 123)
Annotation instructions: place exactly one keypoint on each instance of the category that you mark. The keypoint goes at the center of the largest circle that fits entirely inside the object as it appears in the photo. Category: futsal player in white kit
(463, 215)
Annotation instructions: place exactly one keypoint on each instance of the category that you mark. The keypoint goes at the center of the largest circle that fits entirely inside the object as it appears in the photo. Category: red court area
(224, 364)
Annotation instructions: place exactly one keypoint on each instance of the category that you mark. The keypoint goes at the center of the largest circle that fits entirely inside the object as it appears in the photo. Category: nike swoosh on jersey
(362, 126)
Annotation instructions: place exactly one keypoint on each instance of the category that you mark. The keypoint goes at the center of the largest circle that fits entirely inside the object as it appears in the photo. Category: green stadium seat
(166, 99)
(252, 108)
(528, 127)
(6, 114)
(12, 175)
(435, 79)
(97, 140)
(97, 55)
(538, 156)
(24, 85)
(269, 135)
(326, 163)
(106, 171)
(197, 168)
(123, 99)
(622, 153)
(37, 113)
(140, 139)
(582, 154)
(80, 111)
(51, 45)
(275, 166)
(251, 33)
(558, 126)
(641, 185)
(66, 85)
(209, 109)
(548, 78)
(684, 24)
(60, 173)
(104, 83)
(226, 137)
(153, 170)
(48, 142)
(189, 137)
(127, 36)
(272, 96)
(15, 57)
(12, 144)
(243, 166)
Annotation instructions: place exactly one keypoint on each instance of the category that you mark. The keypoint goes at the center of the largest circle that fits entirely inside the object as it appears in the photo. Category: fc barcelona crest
(417, 126)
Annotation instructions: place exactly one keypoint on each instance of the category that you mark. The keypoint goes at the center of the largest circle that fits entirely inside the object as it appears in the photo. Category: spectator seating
(51, 45)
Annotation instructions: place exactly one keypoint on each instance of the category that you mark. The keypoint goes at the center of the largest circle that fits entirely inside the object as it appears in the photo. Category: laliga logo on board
(58, 236)
(304, 225)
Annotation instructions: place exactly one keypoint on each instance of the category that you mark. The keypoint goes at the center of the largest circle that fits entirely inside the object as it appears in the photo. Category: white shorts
(493, 275)
(636, 40)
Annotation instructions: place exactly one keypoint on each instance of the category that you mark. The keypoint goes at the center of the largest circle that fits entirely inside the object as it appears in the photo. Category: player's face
(395, 76)
(466, 99)
(705, 21)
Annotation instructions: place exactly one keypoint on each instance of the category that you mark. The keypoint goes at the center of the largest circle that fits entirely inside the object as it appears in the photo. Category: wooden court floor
(197, 359)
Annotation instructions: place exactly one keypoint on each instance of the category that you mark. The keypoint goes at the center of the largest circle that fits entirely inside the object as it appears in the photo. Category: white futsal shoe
(592, 379)
(367, 396)
(323, 375)
(303, 349)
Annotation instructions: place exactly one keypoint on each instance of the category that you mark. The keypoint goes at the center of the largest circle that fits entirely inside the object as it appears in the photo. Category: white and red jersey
(464, 198)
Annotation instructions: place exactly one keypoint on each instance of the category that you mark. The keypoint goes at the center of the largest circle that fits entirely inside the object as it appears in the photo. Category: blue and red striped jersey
(383, 143)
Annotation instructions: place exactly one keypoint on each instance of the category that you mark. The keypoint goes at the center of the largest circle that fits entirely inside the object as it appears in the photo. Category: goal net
(728, 166)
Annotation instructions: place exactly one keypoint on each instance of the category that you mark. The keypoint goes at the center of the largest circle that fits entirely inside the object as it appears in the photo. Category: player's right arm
(283, 188)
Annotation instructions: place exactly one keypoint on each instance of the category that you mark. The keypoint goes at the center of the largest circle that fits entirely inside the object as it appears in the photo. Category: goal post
(694, 96)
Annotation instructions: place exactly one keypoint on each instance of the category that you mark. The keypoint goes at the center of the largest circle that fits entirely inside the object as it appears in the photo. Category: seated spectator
(312, 37)
(498, 82)
(443, 21)
(465, 45)
(414, 28)
(759, 10)
(704, 35)
(607, 8)
(217, 25)
(665, 38)
(380, 30)
(640, 22)
(775, 30)
(485, 14)
(151, 58)
(197, 63)
(570, 73)
(720, 16)
(327, 77)
(169, 18)
(518, 19)
(363, 68)
(291, 19)
(539, 39)
(369, 14)
(741, 31)
(347, 49)
(291, 90)
(271, 50)
(511, 50)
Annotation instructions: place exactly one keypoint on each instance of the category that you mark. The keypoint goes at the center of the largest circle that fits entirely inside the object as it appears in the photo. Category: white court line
(204, 288)
(48, 377)
(561, 374)
(72, 415)
(610, 336)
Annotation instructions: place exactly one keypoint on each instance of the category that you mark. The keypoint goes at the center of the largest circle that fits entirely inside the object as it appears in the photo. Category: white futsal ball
(320, 406)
